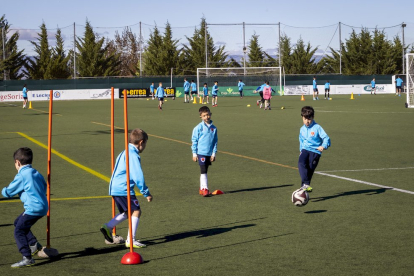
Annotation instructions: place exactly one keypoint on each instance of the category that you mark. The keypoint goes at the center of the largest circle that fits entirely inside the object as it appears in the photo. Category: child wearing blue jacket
(204, 146)
(30, 185)
(313, 141)
(160, 94)
(118, 187)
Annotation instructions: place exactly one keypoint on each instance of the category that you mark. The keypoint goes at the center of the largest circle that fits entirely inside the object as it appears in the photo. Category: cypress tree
(37, 66)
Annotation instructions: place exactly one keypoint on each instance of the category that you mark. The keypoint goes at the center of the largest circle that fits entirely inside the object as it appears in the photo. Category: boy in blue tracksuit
(214, 94)
(160, 94)
(398, 82)
(313, 141)
(186, 87)
(260, 90)
(241, 85)
(315, 89)
(25, 99)
(118, 187)
(193, 86)
(30, 185)
(205, 93)
(373, 87)
(204, 146)
(327, 88)
(152, 90)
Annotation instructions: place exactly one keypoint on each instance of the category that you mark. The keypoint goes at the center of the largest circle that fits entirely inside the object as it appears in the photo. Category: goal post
(410, 80)
(229, 77)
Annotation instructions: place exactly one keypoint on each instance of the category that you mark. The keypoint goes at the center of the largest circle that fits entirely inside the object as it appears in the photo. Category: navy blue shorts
(187, 92)
(398, 87)
(206, 95)
(161, 99)
(327, 89)
(315, 90)
(214, 96)
(193, 92)
(26, 97)
(122, 203)
(204, 160)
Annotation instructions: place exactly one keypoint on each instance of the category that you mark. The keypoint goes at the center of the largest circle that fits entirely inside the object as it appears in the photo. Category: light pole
(3, 25)
(403, 25)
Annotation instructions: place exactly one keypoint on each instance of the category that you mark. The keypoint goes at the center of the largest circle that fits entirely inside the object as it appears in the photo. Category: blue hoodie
(193, 87)
(312, 137)
(160, 92)
(30, 185)
(241, 85)
(186, 86)
(118, 184)
(204, 139)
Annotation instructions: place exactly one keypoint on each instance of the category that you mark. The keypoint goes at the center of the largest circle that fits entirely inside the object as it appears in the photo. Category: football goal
(410, 80)
(229, 77)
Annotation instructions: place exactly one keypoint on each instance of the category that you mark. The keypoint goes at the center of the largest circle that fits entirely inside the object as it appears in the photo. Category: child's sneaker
(25, 262)
(200, 192)
(135, 244)
(107, 233)
(306, 188)
(206, 192)
(35, 248)
(260, 106)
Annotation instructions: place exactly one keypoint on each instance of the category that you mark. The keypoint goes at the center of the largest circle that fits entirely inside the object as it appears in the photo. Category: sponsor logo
(203, 159)
(57, 94)
(10, 97)
(136, 202)
(312, 133)
(377, 87)
(101, 95)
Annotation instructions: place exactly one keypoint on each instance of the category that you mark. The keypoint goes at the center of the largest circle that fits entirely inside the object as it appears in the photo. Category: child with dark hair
(204, 146)
(118, 187)
(30, 185)
(205, 93)
(313, 141)
(327, 88)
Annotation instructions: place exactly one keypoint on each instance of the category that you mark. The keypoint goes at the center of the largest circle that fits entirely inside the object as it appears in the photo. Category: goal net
(410, 80)
(228, 79)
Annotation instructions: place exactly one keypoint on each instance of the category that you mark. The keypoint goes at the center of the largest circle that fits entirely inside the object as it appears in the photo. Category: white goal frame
(244, 72)
(410, 80)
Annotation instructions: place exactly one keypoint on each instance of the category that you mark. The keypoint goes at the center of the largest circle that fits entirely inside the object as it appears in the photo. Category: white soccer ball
(300, 197)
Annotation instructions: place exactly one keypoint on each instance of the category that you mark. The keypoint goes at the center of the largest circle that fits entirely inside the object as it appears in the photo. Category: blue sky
(184, 16)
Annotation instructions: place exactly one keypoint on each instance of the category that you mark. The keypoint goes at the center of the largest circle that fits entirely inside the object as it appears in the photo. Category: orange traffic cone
(352, 96)
(30, 105)
(303, 98)
(217, 192)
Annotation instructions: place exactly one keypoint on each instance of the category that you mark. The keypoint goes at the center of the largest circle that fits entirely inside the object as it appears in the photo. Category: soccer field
(358, 221)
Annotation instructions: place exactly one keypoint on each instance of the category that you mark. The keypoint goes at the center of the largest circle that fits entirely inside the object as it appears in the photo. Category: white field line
(363, 112)
(367, 183)
(361, 170)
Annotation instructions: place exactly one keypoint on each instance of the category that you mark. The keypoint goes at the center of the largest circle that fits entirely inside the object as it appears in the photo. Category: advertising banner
(144, 92)
(43, 95)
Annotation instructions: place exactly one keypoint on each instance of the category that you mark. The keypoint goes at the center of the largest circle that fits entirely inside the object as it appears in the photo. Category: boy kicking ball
(118, 187)
(204, 146)
(313, 141)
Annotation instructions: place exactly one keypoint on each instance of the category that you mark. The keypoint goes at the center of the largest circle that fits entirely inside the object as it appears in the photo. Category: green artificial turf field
(349, 227)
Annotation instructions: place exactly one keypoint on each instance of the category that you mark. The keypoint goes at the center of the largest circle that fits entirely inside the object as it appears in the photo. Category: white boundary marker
(361, 170)
(367, 183)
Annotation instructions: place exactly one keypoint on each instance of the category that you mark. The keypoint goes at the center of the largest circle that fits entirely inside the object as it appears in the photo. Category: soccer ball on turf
(300, 197)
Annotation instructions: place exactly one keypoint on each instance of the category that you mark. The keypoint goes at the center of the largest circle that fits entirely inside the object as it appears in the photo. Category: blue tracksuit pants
(307, 164)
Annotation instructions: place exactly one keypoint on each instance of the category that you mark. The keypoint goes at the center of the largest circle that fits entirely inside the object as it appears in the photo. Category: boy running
(205, 93)
(241, 85)
(214, 94)
(186, 91)
(160, 94)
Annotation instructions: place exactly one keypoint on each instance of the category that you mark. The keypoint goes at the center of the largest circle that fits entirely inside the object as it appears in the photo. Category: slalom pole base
(131, 258)
(48, 253)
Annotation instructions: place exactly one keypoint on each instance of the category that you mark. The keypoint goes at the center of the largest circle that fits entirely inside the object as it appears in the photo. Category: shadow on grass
(350, 193)
(3, 225)
(315, 212)
(258, 189)
(221, 246)
(201, 233)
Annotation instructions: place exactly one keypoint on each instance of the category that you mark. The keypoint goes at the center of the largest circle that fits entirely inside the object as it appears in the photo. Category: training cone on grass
(217, 192)
(352, 96)
(131, 258)
(201, 101)
(195, 100)
(303, 98)
(30, 105)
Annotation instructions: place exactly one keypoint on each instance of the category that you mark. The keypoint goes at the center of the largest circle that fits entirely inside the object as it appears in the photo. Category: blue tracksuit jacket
(30, 185)
(204, 139)
(160, 92)
(310, 138)
(186, 86)
(118, 184)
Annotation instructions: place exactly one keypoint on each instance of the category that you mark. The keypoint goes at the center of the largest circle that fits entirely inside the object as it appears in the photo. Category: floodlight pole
(205, 38)
(74, 50)
(403, 25)
(244, 48)
(340, 50)
(171, 76)
(280, 61)
(140, 50)
(4, 52)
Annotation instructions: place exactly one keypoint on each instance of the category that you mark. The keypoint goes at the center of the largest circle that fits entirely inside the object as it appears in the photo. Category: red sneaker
(206, 192)
(200, 192)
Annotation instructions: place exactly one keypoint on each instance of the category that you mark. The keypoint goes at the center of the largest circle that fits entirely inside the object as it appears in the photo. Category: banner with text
(144, 92)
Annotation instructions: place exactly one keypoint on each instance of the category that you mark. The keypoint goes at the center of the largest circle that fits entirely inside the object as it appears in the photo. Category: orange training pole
(49, 168)
(131, 247)
(112, 150)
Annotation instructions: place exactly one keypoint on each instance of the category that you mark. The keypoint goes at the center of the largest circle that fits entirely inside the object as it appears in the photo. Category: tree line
(363, 53)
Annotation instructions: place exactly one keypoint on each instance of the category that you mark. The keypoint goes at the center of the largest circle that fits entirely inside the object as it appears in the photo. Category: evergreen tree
(195, 53)
(59, 64)
(256, 55)
(286, 53)
(37, 66)
(169, 52)
(302, 58)
(93, 59)
(14, 59)
(152, 57)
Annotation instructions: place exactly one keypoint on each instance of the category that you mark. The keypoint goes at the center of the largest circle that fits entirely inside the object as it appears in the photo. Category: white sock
(203, 181)
(135, 222)
(116, 220)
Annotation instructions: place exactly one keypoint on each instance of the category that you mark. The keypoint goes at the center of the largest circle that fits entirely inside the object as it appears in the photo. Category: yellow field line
(67, 159)
(60, 199)
(224, 152)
